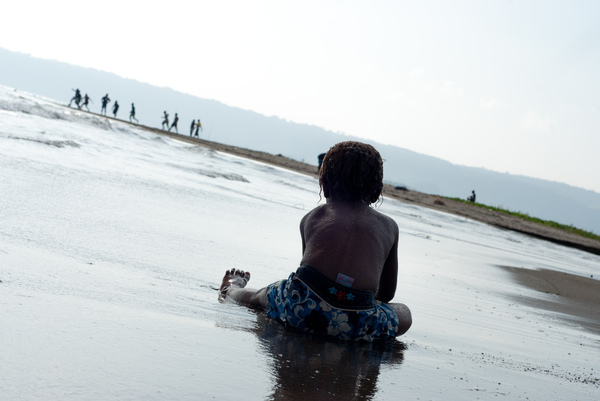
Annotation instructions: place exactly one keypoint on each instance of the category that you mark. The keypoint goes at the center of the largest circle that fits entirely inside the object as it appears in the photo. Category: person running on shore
(165, 122)
(115, 108)
(198, 127)
(192, 127)
(86, 101)
(175, 121)
(105, 101)
(349, 268)
(132, 114)
(76, 98)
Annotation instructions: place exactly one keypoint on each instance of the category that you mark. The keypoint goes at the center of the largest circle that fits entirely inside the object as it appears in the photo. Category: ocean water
(113, 240)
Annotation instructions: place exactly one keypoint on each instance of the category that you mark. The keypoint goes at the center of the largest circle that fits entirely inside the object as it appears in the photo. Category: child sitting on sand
(349, 267)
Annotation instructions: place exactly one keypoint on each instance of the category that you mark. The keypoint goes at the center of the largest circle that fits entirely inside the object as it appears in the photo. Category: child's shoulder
(314, 213)
(385, 219)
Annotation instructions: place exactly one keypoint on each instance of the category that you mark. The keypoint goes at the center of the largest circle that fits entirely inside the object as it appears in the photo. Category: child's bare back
(352, 239)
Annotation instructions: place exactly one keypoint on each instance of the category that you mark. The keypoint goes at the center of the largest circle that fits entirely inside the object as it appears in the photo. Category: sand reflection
(311, 368)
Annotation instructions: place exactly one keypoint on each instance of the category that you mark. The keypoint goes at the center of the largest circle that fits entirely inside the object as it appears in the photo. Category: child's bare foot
(233, 279)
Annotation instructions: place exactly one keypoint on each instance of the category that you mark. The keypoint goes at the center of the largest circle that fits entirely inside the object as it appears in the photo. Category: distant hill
(234, 126)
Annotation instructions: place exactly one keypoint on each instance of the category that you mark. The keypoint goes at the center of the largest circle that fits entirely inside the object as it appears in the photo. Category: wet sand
(575, 298)
(111, 318)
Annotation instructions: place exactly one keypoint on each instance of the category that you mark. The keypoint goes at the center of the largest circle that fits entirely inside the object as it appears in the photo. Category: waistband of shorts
(333, 293)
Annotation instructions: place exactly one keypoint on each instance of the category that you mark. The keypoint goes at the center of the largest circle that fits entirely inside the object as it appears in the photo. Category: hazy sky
(512, 86)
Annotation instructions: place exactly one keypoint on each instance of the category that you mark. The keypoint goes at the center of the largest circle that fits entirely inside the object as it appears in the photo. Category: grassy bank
(525, 216)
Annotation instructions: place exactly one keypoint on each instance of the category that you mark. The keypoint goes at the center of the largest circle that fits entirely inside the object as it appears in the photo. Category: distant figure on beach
(105, 101)
(198, 127)
(115, 108)
(175, 121)
(76, 98)
(192, 127)
(471, 198)
(132, 114)
(349, 268)
(165, 122)
(86, 101)
(320, 158)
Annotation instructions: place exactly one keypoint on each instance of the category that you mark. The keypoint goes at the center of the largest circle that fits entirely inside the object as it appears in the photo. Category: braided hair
(352, 171)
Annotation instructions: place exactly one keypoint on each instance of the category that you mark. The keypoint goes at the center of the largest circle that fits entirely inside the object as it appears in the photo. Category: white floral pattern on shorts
(292, 302)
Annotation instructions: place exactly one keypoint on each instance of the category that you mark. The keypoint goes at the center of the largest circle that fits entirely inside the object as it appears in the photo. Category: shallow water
(113, 240)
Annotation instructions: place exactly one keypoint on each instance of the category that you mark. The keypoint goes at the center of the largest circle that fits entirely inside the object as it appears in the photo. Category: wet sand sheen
(575, 298)
(145, 323)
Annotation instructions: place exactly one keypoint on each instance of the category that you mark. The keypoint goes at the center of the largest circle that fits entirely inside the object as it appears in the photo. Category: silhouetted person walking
(192, 127)
(132, 114)
(198, 127)
(165, 121)
(86, 101)
(115, 108)
(105, 101)
(76, 98)
(175, 121)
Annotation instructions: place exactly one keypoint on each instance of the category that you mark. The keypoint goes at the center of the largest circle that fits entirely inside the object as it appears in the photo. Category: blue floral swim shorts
(309, 301)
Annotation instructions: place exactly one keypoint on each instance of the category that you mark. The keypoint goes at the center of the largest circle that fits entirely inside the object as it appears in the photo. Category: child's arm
(389, 275)
(302, 223)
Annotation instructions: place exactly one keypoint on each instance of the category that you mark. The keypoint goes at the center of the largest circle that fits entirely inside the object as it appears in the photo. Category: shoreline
(497, 219)
(493, 218)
